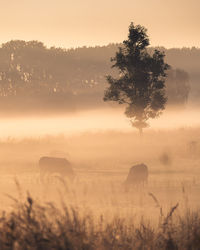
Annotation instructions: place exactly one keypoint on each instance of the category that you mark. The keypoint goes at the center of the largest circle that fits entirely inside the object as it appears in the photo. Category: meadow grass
(31, 225)
(95, 212)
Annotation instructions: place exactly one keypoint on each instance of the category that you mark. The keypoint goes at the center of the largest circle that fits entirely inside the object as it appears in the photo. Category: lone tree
(141, 81)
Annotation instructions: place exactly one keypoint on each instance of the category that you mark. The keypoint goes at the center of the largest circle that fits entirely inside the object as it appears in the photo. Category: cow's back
(138, 174)
(50, 165)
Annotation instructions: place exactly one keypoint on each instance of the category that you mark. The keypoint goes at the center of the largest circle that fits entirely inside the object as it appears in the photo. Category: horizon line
(48, 46)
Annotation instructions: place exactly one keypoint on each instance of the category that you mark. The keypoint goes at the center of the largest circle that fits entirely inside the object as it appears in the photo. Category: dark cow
(52, 165)
(138, 175)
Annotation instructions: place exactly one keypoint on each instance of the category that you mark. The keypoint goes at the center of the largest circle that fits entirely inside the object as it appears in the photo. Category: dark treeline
(33, 76)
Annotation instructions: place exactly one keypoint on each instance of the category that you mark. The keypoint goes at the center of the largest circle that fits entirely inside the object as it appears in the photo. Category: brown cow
(52, 165)
(138, 175)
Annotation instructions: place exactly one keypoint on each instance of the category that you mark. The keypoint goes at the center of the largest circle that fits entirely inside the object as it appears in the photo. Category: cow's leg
(146, 182)
(42, 176)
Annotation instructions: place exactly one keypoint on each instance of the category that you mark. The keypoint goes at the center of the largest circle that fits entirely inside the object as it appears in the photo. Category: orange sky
(170, 23)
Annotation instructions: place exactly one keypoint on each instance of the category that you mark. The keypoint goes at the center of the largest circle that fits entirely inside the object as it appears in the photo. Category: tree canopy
(141, 81)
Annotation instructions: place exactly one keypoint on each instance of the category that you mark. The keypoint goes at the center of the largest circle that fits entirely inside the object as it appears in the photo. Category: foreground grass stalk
(34, 226)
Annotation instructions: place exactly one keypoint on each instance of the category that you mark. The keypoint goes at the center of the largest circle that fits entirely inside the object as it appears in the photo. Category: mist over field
(92, 121)
(100, 145)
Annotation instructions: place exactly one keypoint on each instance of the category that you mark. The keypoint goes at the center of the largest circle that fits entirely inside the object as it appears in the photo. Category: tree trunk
(141, 132)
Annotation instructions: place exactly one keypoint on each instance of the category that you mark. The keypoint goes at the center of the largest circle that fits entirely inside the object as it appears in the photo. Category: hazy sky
(170, 23)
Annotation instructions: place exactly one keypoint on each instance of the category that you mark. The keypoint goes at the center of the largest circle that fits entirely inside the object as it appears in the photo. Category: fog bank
(92, 121)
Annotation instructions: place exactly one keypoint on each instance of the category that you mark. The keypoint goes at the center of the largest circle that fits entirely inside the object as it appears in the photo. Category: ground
(101, 162)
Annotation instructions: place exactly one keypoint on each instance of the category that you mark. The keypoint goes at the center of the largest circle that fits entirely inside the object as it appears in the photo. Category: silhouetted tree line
(177, 86)
(32, 74)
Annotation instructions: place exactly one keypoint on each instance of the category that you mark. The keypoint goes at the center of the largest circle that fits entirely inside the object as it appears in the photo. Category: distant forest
(34, 77)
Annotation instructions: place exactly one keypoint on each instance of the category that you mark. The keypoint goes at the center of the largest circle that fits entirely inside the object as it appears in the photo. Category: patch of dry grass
(95, 212)
(31, 225)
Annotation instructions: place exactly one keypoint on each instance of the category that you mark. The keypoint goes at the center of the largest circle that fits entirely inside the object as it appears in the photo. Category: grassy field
(95, 212)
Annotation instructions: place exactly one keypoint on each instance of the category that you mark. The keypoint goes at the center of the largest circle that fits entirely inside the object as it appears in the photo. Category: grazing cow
(138, 175)
(52, 165)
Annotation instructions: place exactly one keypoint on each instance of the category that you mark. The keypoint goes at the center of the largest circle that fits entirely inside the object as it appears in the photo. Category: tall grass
(31, 225)
(95, 212)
